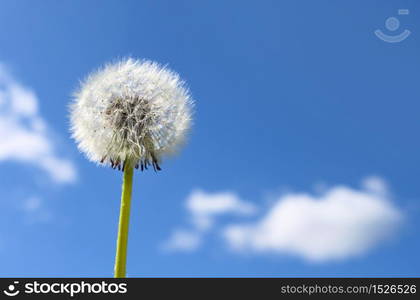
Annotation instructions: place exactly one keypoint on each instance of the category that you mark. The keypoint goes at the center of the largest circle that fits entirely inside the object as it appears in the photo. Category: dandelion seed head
(131, 111)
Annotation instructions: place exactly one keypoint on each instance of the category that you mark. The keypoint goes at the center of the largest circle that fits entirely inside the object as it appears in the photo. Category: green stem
(121, 255)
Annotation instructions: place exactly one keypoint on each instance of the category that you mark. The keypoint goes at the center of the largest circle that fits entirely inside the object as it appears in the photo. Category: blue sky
(304, 159)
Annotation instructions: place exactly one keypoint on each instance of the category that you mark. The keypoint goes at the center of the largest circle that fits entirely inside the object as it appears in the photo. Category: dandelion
(129, 115)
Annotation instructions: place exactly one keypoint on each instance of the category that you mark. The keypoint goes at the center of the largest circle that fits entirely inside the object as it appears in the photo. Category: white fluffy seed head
(131, 112)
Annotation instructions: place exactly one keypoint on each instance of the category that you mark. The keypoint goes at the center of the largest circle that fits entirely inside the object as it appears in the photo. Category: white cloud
(183, 240)
(341, 223)
(24, 134)
(35, 210)
(200, 202)
(32, 204)
(203, 208)
(375, 184)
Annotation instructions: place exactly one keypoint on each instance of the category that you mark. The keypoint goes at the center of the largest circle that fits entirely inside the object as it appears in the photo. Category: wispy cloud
(24, 134)
(341, 223)
(183, 240)
(203, 208)
(338, 223)
(35, 210)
